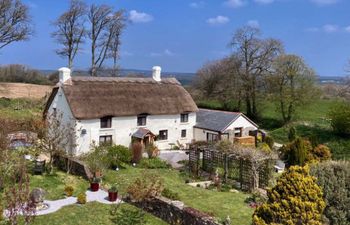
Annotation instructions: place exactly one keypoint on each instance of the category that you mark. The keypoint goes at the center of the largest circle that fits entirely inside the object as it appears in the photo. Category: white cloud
(324, 2)
(218, 20)
(253, 23)
(139, 17)
(330, 28)
(166, 52)
(197, 5)
(264, 1)
(347, 29)
(235, 3)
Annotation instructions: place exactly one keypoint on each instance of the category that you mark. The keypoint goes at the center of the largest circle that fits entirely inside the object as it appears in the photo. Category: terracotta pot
(94, 187)
(112, 196)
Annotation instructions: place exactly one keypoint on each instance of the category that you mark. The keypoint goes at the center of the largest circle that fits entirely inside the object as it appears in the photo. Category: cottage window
(212, 137)
(183, 133)
(106, 122)
(238, 132)
(141, 120)
(184, 118)
(106, 139)
(163, 135)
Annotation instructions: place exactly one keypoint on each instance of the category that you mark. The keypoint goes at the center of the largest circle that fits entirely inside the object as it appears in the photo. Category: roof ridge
(124, 80)
(223, 111)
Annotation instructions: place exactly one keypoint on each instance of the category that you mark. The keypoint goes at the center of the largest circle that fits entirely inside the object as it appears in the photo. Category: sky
(182, 35)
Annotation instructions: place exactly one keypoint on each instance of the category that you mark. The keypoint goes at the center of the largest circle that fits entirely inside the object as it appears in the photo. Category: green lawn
(54, 184)
(220, 204)
(92, 213)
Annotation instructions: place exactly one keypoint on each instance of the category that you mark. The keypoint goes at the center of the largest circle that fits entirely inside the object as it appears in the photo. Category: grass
(20, 108)
(54, 184)
(310, 120)
(92, 213)
(220, 204)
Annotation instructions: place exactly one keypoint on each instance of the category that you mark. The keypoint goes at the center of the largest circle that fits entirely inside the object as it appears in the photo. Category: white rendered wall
(63, 109)
(123, 128)
(244, 123)
(201, 134)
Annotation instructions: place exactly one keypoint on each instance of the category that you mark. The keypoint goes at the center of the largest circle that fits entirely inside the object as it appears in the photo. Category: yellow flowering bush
(296, 199)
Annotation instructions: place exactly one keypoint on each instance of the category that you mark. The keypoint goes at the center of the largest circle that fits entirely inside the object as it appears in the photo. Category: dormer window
(106, 122)
(141, 120)
(184, 118)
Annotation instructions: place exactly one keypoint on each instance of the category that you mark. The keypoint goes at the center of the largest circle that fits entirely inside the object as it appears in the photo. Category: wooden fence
(247, 173)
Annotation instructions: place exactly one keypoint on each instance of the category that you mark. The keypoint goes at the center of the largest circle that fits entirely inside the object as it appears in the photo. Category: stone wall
(174, 212)
(75, 166)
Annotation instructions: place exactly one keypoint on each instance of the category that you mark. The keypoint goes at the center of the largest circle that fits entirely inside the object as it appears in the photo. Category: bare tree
(71, 31)
(256, 56)
(59, 138)
(117, 24)
(15, 22)
(100, 19)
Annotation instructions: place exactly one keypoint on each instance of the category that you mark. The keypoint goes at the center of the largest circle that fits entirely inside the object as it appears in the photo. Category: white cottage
(120, 110)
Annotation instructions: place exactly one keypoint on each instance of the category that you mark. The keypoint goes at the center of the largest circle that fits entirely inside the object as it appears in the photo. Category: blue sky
(181, 35)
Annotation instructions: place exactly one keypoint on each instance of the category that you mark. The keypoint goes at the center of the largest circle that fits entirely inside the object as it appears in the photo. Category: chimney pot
(156, 73)
(64, 74)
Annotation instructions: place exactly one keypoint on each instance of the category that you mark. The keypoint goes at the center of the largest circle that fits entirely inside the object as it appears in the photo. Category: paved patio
(173, 157)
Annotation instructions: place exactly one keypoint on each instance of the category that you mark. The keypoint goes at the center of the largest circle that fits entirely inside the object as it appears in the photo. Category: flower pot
(112, 196)
(94, 187)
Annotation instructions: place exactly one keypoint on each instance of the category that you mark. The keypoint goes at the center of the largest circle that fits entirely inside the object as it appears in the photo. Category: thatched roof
(96, 97)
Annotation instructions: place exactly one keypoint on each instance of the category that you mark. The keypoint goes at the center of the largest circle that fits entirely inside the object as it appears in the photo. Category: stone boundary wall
(174, 212)
(76, 167)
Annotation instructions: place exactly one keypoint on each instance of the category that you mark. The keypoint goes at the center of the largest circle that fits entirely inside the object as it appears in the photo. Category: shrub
(296, 152)
(68, 190)
(145, 187)
(256, 199)
(269, 141)
(118, 154)
(154, 163)
(319, 153)
(340, 119)
(97, 159)
(152, 150)
(170, 194)
(224, 146)
(264, 147)
(334, 178)
(136, 152)
(126, 216)
(296, 199)
(82, 198)
(292, 134)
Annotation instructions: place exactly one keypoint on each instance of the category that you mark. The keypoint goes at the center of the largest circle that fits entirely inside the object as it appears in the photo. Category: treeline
(258, 69)
(23, 74)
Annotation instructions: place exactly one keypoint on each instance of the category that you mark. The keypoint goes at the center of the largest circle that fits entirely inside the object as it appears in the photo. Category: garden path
(99, 196)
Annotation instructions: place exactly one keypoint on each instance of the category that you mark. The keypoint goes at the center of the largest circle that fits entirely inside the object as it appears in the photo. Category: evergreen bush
(296, 199)
(334, 178)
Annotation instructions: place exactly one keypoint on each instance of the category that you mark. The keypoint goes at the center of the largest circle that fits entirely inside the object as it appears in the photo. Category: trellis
(234, 166)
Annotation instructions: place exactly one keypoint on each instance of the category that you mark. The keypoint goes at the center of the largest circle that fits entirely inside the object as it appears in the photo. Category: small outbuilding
(215, 125)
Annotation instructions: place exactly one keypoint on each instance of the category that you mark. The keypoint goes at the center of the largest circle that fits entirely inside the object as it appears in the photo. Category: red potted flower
(113, 193)
(95, 184)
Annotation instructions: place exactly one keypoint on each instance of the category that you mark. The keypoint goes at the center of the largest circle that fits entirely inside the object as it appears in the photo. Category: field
(20, 90)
